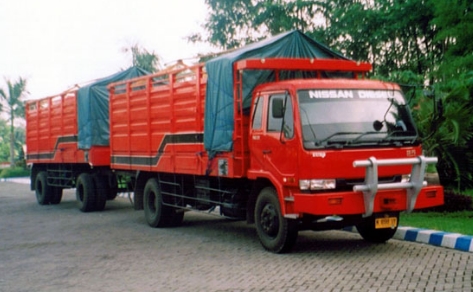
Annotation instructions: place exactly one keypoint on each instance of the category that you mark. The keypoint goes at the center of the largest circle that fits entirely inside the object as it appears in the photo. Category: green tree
(229, 24)
(232, 24)
(454, 20)
(392, 35)
(148, 61)
(448, 134)
(12, 97)
(4, 141)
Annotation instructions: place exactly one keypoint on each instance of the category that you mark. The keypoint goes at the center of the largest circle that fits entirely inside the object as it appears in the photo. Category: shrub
(454, 202)
(14, 172)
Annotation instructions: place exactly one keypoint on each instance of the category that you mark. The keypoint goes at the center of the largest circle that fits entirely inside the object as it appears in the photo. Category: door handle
(267, 151)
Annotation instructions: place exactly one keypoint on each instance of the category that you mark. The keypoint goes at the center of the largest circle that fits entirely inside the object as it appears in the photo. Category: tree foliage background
(11, 103)
(425, 45)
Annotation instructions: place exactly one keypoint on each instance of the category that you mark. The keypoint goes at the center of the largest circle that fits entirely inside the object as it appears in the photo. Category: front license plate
(387, 222)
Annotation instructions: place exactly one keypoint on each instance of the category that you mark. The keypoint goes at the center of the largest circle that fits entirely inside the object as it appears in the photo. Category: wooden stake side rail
(157, 123)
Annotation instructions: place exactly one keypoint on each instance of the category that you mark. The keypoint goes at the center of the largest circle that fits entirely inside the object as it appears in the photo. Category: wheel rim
(269, 220)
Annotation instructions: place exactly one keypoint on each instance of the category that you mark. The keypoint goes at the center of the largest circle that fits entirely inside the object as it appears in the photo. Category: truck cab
(337, 152)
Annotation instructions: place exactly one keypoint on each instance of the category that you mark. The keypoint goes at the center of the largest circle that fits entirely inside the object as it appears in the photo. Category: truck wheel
(85, 193)
(276, 233)
(56, 195)
(42, 189)
(156, 214)
(101, 191)
(113, 188)
(369, 233)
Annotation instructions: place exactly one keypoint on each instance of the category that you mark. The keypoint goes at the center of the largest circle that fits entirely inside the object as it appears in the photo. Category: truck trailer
(285, 134)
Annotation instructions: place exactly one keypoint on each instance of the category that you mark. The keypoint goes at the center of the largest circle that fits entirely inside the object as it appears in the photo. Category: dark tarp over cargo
(92, 109)
(218, 129)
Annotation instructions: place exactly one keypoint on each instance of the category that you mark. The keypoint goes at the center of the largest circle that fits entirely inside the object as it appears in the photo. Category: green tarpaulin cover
(218, 124)
(92, 109)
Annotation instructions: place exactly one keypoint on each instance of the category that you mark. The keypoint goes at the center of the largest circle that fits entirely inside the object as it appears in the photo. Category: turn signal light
(335, 201)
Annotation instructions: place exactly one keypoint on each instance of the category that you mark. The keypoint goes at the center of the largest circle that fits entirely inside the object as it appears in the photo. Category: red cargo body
(51, 133)
(157, 125)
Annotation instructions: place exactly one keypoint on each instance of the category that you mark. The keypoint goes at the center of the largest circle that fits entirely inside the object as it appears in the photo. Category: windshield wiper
(364, 134)
(390, 137)
(327, 141)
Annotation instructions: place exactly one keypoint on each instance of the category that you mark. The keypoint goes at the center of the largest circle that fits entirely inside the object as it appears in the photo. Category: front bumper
(353, 203)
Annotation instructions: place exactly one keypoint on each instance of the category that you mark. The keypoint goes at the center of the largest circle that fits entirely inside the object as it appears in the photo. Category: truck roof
(296, 84)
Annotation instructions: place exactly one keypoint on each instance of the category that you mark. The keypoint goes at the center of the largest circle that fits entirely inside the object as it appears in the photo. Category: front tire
(56, 195)
(276, 233)
(369, 233)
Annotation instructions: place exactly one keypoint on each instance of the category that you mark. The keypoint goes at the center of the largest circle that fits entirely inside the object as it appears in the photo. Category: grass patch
(455, 222)
(468, 192)
(14, 172)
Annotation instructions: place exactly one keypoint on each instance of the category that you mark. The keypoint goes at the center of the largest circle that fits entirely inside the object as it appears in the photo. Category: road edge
(432, 237)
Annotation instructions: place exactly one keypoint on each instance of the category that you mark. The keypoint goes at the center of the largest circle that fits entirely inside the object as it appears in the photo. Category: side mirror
(278, 108)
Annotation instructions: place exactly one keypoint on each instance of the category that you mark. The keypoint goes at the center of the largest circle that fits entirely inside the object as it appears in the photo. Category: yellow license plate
(387, 222)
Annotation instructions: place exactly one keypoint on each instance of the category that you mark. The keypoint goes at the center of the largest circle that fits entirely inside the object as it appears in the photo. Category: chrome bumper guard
(371, 186)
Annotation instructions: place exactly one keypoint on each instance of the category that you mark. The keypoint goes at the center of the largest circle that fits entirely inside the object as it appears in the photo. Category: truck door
(273, 145)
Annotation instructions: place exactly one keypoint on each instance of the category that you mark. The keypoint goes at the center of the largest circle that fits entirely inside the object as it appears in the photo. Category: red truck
(288, 143)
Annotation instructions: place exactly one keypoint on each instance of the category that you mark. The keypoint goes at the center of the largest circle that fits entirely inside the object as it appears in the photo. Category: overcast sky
(58, 43)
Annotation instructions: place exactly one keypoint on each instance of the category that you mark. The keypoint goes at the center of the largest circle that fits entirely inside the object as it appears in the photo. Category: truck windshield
(333, 118)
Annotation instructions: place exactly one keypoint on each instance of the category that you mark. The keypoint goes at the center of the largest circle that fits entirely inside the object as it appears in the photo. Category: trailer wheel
(369, 233)
(156, 214)
(56, 195)
(101, 191)
(42, 189)
(85, 193)
(276, 233)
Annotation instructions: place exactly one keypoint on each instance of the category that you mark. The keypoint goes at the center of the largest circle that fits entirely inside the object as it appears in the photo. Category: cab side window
(258, 114)
(288, 126)
(274, 115)
(279, 112)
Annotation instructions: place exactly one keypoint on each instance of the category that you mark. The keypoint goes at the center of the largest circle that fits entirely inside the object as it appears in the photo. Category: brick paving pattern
(58, 248)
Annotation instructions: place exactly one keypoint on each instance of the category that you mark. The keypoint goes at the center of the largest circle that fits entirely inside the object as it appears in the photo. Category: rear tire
(43, 191)
(85, 193)
(153, 205)
(369, 233)
(56, 195)
(101, 191)
(113, 187)
(156, 213)
(276, 233)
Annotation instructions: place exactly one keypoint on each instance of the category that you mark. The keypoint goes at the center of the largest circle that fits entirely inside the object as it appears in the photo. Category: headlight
(317, 184)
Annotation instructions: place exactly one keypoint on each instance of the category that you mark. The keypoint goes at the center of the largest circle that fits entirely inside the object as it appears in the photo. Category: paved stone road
(58, 248)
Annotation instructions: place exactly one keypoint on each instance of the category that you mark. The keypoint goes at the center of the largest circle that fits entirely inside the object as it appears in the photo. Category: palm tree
(15, 108)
